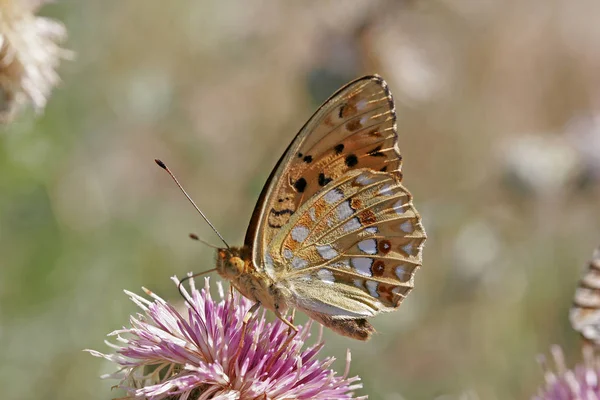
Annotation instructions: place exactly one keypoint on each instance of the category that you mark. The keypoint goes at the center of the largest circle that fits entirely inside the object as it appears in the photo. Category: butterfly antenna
(163, 166)
(199, 239)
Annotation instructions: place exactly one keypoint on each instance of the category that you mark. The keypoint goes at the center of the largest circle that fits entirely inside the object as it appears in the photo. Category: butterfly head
(231, 262)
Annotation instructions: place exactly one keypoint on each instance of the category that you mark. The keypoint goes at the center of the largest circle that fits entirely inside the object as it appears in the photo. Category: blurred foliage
(217, 89)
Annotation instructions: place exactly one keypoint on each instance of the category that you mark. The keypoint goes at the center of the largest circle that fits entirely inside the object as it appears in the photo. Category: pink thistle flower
(165, 355)
(580, 383)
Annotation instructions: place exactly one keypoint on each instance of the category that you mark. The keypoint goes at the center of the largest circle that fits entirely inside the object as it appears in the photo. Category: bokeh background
(498, 114)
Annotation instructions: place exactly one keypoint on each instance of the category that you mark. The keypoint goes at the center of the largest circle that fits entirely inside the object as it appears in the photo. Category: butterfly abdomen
(358, 328)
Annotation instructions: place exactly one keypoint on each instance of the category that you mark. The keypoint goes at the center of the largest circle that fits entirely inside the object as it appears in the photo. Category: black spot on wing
(339, 148)
(351, 160)
(323, 180)
(308, 159)
(300, 185)
(282, 212)
(376, 152)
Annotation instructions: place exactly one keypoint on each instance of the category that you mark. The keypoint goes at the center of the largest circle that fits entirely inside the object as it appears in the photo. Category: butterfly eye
(236, 264)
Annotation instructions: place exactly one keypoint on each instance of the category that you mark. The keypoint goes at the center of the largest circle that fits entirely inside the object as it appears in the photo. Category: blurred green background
(497, 113)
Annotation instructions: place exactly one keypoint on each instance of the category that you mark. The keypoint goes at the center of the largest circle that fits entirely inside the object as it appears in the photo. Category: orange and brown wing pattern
(360, 239)
(585, 312)
(355, 128)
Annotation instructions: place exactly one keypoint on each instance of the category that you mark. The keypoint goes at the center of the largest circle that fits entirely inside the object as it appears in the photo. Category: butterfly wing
(351, 250)
(585, 312)
(354, 128)
(334, 223)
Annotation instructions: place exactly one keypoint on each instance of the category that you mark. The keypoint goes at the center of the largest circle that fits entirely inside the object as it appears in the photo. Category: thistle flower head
(561, 383)
(165, 355)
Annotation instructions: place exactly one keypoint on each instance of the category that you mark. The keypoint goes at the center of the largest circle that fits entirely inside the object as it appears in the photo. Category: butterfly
(585, 311)
(334, 232)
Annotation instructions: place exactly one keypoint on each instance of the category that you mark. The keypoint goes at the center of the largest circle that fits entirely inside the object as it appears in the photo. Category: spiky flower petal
(580, 383)
(164, 355)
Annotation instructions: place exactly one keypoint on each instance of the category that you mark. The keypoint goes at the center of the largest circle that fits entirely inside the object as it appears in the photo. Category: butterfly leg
(245, 321)
(292, 329)
(285, 321)
(292, 320)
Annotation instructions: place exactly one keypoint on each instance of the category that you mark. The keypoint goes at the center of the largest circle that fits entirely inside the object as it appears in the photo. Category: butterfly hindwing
(360, 236)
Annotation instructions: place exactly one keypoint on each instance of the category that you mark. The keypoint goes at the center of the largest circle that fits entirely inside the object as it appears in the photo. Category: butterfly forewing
(334, 225)
(355, 128)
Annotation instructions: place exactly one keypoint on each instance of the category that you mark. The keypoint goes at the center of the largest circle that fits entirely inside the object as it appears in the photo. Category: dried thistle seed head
(29, 56)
